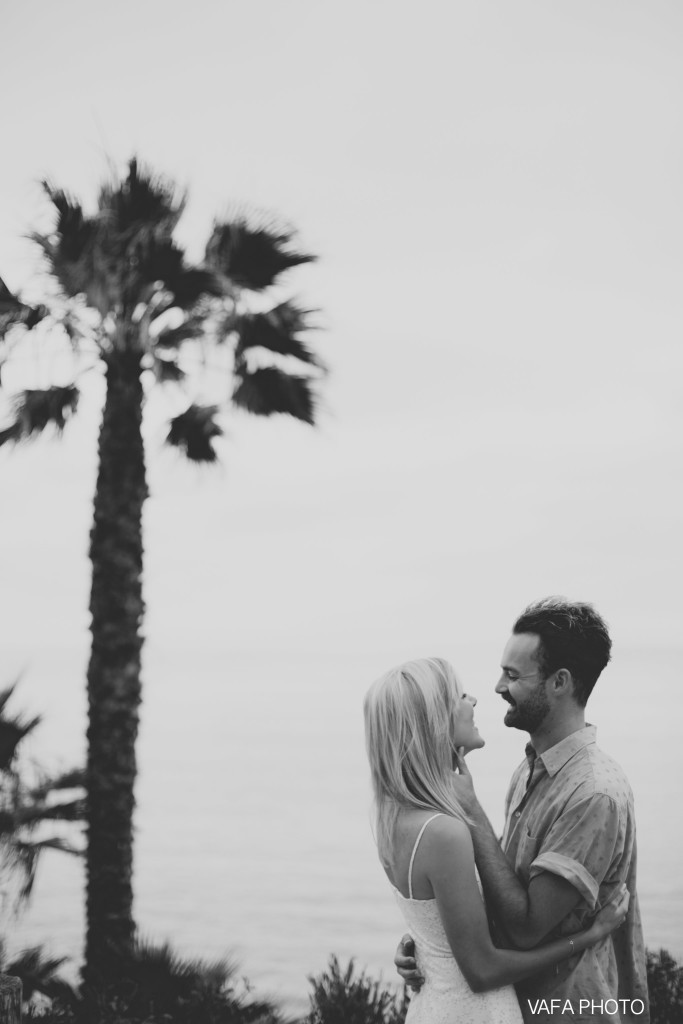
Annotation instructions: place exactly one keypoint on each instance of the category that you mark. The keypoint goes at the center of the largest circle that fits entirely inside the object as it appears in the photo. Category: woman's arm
(448, 860)
(527, 913)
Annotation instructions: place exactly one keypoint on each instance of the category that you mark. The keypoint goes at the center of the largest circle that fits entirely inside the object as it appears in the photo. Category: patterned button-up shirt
(569, 811)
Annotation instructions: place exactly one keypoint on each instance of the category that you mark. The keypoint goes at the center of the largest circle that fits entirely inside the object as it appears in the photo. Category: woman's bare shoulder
(447, 829)
(449, 844)
(438, 824)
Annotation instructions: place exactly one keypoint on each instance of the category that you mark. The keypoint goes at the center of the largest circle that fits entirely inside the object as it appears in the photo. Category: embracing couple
(552, 908)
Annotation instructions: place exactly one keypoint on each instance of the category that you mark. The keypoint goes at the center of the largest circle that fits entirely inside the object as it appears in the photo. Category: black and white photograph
(341, 433)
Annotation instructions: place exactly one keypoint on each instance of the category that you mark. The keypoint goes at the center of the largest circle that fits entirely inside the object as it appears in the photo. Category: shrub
(346, 997)
(161, 988)
(157, 986)
(665, 985)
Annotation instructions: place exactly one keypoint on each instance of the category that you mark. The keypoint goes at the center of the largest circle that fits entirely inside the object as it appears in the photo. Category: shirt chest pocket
(529, 845)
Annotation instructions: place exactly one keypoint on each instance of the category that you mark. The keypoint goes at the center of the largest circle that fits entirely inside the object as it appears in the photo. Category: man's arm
(525, 915)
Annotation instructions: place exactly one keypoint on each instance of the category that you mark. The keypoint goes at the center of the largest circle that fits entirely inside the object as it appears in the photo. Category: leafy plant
(665, 985)
(348, 997)
(32, 801)
(158, 985)
(38, 974)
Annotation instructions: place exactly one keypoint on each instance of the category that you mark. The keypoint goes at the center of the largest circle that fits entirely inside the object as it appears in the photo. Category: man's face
(521, 683)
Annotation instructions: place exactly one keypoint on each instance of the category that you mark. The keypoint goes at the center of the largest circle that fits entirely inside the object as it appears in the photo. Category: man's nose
(501, 685)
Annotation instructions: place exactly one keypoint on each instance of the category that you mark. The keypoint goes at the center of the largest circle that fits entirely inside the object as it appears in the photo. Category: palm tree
(125, 293)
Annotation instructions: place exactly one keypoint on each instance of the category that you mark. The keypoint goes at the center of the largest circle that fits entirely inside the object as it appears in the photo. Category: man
(569, 839)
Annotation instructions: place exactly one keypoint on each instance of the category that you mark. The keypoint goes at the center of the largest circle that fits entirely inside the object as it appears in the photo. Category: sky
(493, 191)
(493, 194)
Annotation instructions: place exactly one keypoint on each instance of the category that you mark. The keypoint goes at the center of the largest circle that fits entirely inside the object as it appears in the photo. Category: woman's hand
(611, 915)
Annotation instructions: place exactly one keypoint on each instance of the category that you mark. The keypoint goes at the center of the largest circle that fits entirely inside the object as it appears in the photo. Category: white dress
(445, 997)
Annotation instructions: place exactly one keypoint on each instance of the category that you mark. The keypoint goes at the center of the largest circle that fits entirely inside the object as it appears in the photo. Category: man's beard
(529, 715)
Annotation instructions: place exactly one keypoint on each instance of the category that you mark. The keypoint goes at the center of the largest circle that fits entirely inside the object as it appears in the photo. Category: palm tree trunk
(117, 608)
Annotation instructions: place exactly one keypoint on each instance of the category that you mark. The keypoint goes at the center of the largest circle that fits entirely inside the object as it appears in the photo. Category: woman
(418, 724)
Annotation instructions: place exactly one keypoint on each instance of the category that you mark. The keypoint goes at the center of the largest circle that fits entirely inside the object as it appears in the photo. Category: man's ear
(563, 682)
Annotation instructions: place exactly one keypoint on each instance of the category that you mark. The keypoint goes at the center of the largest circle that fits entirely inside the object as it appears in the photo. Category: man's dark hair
(572, 636)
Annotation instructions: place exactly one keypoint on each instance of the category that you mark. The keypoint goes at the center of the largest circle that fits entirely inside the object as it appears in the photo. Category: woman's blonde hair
(409, 724)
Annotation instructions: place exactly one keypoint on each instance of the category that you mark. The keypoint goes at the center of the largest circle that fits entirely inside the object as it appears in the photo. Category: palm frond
(269, 390)
(276, 330)
(12, 433)
(7, 824)
(12, 732)
(38, 974)
(34, 410)
(155, 980)
(173, 337)
(113, 256)
(54, 843)
(13, 729)
(162, 960)
(166, 370)
(152, 259)
(13, 311)
(193, 432)
(142, 201)
(38, 812)
(136, 218)
(8, 302)
(73, 329)
(21, 859)
(73, 778)
(69, 248)
(252, 255)
(6, 694)
(189, 284)
(29, 802)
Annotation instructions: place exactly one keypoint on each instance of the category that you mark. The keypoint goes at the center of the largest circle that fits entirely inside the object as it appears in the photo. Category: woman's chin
(476, 744)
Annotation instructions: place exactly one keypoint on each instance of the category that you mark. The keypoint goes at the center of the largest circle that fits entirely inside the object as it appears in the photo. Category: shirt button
(518, 814)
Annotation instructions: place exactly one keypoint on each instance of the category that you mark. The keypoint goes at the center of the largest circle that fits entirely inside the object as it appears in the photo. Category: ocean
(253, 835)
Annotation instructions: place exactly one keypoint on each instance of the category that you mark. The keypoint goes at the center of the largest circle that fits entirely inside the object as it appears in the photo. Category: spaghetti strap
(412, 856)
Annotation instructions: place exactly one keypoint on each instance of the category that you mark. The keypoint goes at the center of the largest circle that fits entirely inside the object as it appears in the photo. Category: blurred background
(493, 192)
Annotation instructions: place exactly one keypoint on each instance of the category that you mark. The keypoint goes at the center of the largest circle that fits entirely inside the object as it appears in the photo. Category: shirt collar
(556, 757)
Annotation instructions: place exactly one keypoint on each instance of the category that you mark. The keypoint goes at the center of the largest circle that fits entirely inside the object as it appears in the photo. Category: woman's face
(465, 732)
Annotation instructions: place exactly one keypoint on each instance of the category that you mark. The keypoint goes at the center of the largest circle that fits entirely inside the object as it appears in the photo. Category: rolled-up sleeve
(581, 845)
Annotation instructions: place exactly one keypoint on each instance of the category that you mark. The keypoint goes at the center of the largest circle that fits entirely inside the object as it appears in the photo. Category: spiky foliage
(122, 264)
(252, 253)
(32, 801)
(125, 294)
(194, 430)
(37, 408)
(267, 390)
(156, 984)
(14, 311)
(351, 997)
(277, 331)
(665, 987)
(38, 973)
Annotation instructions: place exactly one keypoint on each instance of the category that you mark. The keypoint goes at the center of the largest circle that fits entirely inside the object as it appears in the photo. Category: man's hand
(406, 964)
(463, 787)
